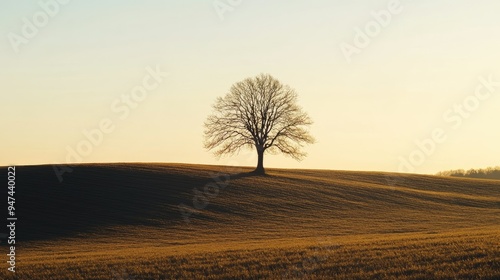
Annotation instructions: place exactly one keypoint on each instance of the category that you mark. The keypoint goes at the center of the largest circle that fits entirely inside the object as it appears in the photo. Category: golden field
(123, 221)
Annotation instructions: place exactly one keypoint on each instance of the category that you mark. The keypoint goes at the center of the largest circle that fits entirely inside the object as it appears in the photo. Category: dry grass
(122, 222)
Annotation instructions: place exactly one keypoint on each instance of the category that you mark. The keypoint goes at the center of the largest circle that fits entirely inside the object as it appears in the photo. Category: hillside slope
(183, 199)
(175, 221)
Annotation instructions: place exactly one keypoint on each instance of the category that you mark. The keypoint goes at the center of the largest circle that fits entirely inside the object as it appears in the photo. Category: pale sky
(400, 86)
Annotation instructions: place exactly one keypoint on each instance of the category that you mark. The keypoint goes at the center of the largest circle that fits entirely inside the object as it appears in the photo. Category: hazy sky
(66, 67)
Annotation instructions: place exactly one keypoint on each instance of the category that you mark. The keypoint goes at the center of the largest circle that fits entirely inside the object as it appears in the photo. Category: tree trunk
(260, 162)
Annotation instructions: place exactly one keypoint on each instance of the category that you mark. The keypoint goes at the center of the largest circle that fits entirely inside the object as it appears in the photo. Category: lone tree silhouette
(258, 112)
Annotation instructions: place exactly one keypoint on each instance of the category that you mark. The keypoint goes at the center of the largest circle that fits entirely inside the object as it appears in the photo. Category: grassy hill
(176, 221)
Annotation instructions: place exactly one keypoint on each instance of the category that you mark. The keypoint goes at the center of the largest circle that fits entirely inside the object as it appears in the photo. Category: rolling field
(179, 221)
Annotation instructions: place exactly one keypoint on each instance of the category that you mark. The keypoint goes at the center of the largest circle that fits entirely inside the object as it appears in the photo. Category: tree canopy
(259, 113)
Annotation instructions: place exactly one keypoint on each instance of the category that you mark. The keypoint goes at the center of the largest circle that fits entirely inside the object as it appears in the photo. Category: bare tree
(258, 112)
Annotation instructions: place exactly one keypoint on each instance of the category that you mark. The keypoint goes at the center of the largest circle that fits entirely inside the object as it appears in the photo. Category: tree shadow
(93, 198)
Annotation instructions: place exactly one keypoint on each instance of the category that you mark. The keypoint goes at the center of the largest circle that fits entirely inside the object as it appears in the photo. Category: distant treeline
(484, 173)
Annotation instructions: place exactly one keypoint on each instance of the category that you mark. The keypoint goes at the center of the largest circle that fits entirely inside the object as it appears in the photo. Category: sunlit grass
(468, 254)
